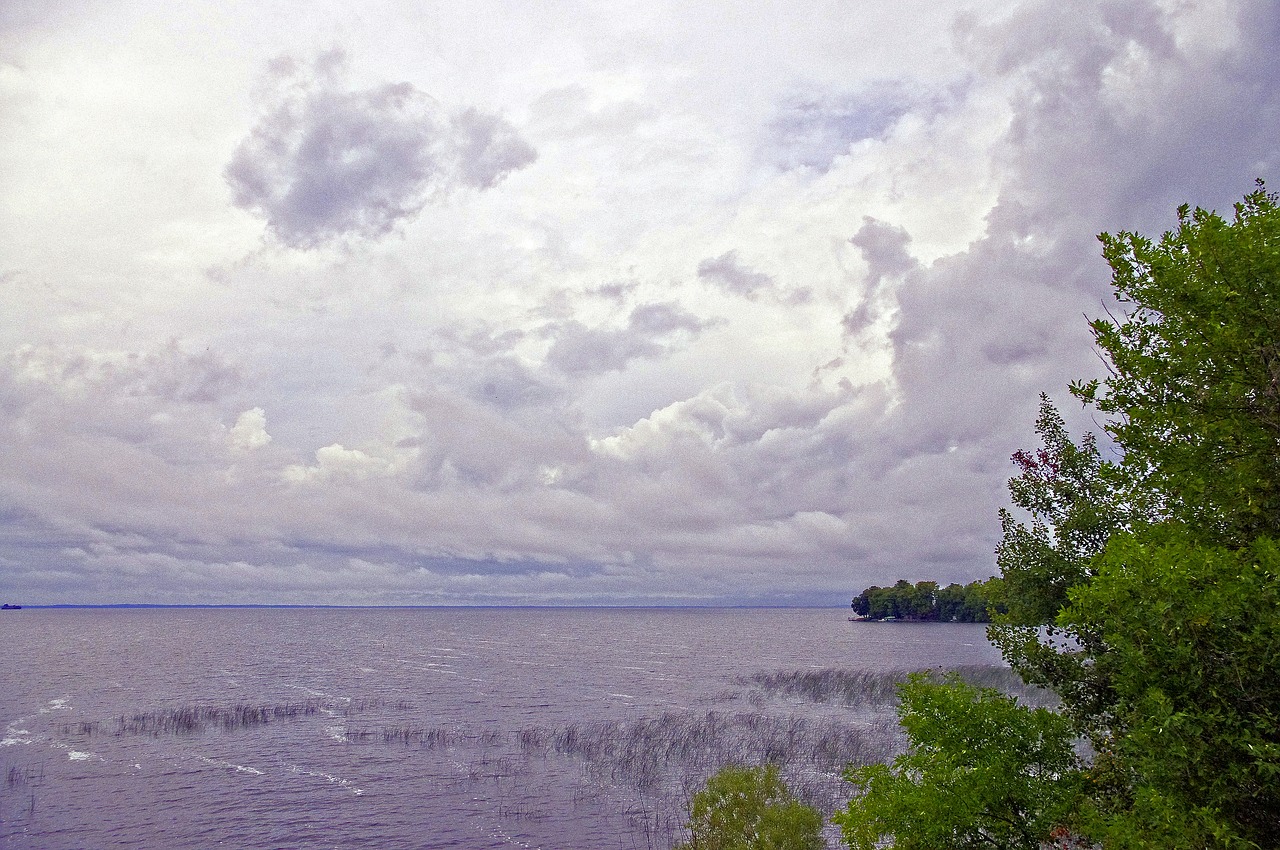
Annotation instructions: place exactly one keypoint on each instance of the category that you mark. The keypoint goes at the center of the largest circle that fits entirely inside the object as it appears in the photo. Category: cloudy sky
(569, 302)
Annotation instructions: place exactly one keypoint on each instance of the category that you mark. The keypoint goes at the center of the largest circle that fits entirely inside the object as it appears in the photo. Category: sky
(570, 303)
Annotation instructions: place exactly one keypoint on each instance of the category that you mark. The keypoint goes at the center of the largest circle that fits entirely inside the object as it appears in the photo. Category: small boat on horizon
(7, 607)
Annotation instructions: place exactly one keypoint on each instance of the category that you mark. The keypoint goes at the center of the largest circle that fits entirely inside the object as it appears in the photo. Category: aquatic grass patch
(845, 687)
(82, 728)
(20, 777)
(878, 689)
(194, 719)
(673, 752)
(427, 737)
(197, 718)
(665, 756)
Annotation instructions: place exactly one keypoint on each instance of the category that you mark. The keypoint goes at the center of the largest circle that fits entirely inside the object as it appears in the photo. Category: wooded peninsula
(924, 602)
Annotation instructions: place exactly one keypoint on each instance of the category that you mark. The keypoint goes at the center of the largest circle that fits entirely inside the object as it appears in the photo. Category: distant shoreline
(295, 606)
(916, 622)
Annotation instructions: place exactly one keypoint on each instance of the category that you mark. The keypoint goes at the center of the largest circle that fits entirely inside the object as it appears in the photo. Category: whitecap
(336, 780)
(228, 765)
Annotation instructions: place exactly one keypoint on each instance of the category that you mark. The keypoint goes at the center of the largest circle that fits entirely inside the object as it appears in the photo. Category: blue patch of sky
(810, 131)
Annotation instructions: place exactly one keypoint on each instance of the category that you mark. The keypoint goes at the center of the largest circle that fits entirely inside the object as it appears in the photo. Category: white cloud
(250, 430)
(337, 462)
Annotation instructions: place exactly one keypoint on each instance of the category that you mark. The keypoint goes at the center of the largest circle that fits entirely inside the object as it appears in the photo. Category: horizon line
(291, 605)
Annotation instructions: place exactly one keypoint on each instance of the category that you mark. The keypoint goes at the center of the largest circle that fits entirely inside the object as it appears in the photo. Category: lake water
(404, 728)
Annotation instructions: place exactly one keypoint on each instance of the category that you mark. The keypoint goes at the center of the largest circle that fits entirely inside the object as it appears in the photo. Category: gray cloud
(167, 373)
(325, 163)
(728, 273)
(478, 361)
(884, 247)
(488, 148)
(652, 330)
(1087, 134)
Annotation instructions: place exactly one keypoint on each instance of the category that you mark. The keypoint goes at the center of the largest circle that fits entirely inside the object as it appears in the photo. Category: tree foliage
(980, 771)
(1194, 391)
(1192, 651)
(1146, 589)
(926, 602)
(1069, 493)
(751, 808)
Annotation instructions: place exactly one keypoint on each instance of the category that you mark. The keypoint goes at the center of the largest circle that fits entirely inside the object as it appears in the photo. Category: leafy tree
(1192, 651)
(982, 600)
(1145, 589)
(924, 601)
(862, 602)
(1194, 390)
(751, 808)
(980, 771)
(1070, 495)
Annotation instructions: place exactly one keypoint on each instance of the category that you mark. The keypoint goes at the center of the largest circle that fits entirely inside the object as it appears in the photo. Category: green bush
(750, 808)
(980, 771)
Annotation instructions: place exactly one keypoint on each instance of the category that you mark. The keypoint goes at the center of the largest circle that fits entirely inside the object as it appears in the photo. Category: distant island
(925, 602)
(7, 607)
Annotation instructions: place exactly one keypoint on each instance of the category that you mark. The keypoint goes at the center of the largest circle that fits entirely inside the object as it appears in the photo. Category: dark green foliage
(925, 602)
(750, 808)
(1194, 392)
(968, 603)
(980, 771)
(1192, 651)
(1146, 590)
(1069, 494)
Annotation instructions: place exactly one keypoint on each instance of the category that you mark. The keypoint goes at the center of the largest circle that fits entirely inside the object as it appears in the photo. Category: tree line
(925, 601)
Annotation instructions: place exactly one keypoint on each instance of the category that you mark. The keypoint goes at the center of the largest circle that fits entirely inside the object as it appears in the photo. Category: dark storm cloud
(728, 273)
(652, 330)
(324, 162)
(1115, 124)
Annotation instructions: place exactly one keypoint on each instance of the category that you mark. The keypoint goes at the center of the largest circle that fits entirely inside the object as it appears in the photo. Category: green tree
(982, 600)
(1192, 652)
(951, 602)
(980, 771)
(1193, 395)
(862, 602)
(751, 808)
(924, 601)
(1145, 589)
(1069, 494)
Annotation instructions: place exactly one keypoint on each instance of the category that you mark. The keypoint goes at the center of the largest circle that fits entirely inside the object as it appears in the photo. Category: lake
(555, 728)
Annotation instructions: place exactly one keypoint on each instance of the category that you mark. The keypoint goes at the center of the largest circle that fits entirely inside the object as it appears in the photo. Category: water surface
(387, 728)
